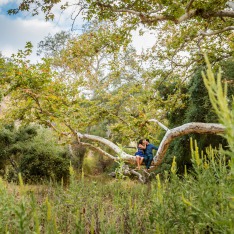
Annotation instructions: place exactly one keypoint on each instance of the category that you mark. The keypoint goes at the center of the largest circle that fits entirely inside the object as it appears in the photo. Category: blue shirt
(149, 150)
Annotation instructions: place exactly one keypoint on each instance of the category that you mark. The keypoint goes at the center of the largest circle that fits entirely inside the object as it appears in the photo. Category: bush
(33, 151)
(44, 159)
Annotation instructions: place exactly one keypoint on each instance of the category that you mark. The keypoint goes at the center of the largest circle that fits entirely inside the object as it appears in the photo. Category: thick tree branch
(149, 17)
(229, 14)
(188, 15)
(110, 144)
(171, 134)
(201, 128)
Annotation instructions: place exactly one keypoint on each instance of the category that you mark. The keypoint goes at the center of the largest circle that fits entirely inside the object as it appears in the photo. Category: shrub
(33, 151)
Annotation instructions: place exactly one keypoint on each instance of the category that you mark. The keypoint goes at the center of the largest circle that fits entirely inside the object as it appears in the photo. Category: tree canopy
(176, 23)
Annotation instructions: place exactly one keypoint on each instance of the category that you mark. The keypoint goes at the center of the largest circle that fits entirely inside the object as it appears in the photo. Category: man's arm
(154, 147)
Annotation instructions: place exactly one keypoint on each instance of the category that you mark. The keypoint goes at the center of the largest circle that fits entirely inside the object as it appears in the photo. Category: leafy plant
(33, 151)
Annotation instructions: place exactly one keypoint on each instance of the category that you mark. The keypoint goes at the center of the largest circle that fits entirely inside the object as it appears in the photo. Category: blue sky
(16, 30)
(6, 5)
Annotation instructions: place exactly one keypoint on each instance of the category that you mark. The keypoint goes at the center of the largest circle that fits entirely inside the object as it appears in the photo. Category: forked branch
(171, 134)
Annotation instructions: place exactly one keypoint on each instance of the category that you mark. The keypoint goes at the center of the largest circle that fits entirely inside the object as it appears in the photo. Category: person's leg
(146, 159)
(150, 159)
(138, 161)
(141, 160)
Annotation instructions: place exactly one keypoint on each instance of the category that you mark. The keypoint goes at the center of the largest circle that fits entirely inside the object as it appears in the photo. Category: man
(149, 153)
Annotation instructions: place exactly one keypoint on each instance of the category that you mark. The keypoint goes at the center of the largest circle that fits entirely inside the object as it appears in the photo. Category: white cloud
(143, 42)
(4, 2)
(16, 32)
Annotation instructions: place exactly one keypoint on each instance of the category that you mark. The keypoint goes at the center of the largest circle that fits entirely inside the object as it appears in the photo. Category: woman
(140, 154)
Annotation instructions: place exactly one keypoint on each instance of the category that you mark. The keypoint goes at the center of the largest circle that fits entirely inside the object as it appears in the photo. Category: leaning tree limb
(126, 171)
(201, 128)
(119, 152)
(140, 176)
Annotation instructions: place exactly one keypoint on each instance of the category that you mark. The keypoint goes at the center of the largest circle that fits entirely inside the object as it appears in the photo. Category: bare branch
(189, 5)
(76, 14)
(140, 177)
(99, 150)
(160, 124)
(211, 33)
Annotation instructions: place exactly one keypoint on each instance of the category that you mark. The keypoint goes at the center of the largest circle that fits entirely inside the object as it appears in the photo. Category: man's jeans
(148, 161)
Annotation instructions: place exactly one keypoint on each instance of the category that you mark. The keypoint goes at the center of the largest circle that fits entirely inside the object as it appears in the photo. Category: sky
(18, 29)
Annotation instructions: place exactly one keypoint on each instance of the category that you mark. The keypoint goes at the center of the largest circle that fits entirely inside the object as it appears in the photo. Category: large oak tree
(38, 93)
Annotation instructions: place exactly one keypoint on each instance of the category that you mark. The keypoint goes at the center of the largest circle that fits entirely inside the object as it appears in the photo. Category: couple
(144, 153)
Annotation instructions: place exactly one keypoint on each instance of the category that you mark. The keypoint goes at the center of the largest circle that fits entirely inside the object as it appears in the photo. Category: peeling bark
(201, 128)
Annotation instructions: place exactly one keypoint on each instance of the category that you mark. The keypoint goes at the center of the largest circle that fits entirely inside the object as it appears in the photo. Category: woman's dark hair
(140, 142)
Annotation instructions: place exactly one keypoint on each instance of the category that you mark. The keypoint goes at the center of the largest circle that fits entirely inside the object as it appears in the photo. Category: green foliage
(102, 85)
(198, 108)
(95, 164)
(223, 107)
(12, 143)
(44, 159)
(180, 25)
(98, 87)
(52, 45)
(34, 152)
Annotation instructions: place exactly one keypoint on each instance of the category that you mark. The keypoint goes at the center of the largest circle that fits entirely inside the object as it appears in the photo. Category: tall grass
(200, 202)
